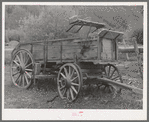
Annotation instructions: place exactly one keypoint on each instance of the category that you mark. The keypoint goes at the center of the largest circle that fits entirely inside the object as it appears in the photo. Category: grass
(89, 98)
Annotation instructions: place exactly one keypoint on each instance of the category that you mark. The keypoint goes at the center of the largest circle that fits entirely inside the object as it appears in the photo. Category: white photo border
(87, 114)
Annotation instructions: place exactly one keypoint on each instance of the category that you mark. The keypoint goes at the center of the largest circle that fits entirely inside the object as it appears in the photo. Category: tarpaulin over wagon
(109, 34)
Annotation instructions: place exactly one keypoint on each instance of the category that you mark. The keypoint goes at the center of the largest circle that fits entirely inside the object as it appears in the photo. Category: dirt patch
(37, 96)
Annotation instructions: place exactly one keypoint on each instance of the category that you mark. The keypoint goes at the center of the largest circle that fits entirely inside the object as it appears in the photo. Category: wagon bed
(66, 50)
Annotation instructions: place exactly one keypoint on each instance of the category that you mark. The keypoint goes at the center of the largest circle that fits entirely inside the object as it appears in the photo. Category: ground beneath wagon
(38, 96)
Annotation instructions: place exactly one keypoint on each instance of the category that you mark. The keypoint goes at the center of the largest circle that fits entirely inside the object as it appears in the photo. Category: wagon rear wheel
(22, 66)
(69, 82)
(111, 72)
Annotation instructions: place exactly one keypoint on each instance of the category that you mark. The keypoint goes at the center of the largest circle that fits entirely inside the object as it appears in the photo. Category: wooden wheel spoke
(62, 87)
(66, 73)
(24, 57)
(28, 74)
(18, 59)
(69, 71)
(115, 77)
(21, 57)
(105, 71)
(17, 78)
(74, 78)
(16, 62)
(64, 92)
(72, 73)
(26, 60)
(71, 92)
(28, 65)
(15, 73)
(112, 73)
(19, 83)
(73, 88)
(29, 70)
(109, 70)
(26, 78)
(63, 75)
(74, 84)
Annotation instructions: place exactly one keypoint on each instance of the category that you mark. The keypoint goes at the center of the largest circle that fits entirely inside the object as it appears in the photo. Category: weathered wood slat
(45, 76)
(129, 49)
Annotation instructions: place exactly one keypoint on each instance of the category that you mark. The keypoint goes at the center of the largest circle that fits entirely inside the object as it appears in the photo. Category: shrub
(13, 34)
(138, 34)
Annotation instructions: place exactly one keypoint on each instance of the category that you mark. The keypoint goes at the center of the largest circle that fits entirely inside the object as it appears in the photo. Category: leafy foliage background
(39, 22)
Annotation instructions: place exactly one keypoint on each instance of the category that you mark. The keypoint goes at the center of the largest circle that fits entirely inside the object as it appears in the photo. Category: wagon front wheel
(22, 69)
(69, 82)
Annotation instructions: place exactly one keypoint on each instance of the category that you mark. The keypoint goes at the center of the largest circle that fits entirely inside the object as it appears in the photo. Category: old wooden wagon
(73, 61)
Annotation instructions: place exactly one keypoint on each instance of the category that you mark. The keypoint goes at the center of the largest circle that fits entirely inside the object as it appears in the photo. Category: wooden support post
(99, 41)
(127, 57)
(47, 51)
(116, 50)
(112, 49)
(61, 52)
(44, 58)
(138, 56)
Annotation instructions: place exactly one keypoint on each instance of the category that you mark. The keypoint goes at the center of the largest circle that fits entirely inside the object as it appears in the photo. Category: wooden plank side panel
(92, 52)
(38, 51)
(53, 51)
(108, 52)
(99, 45)
(70, 49)
(26, 47)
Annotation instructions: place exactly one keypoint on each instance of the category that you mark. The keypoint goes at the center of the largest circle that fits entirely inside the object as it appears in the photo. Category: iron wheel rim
(69, 82)
(23, 63)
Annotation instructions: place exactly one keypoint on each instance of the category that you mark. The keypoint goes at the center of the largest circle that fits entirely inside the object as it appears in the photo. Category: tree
(138, 34)
(13, 15)
(51, 23)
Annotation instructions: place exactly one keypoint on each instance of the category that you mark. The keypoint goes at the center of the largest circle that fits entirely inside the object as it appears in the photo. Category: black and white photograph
(74, 61)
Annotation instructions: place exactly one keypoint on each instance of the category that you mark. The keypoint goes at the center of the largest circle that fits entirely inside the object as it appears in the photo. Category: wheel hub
(68, 82)
(21, 69)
